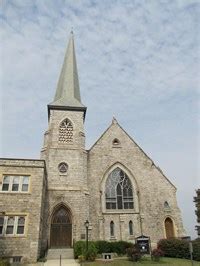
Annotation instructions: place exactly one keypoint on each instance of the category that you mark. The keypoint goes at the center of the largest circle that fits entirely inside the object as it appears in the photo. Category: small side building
(22, 192)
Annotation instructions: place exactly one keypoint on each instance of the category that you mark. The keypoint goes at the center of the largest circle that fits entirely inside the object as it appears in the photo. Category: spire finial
(114, 120)
(72, 32)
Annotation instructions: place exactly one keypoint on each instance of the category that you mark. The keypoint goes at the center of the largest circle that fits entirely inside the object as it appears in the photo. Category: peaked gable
(111, 128)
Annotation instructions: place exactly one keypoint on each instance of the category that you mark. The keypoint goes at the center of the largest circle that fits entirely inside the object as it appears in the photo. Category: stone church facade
(114, 185)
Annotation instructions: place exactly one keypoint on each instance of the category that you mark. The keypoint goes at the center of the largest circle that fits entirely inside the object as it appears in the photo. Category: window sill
(167, 210)
(12, 236)
(132, 211)
(15, 192)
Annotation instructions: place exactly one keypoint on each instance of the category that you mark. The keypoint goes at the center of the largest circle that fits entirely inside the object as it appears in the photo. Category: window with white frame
(119, 191)
(12, 225)
(15, 183)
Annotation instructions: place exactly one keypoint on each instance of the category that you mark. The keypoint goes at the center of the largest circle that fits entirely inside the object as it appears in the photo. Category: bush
(156, 254)
(4, 262)
(79, 247)
(103, 246)
(81, 252)
(91, 253)
(178, 248)
(81, 258)
(196, 249)
(133, 253)
(120, 247)
(174, 248)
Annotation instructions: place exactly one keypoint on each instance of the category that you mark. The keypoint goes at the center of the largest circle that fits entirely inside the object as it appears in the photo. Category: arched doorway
(61, 228)
(169, 228)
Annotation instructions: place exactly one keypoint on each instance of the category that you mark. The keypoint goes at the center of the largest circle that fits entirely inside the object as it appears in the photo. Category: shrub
(81, 252)
(103, 246)
(81, 258)
(175, 248)
(91, 253)
(196, 249)
(120, 247)
(156, 254)
(178, 248)
(79, 247)
(4, 262)
(133, 253)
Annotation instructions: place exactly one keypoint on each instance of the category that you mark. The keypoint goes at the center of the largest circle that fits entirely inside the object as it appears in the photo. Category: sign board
(143, 244)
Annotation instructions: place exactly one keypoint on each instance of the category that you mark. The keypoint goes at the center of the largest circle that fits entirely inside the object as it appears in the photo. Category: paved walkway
(65, 262)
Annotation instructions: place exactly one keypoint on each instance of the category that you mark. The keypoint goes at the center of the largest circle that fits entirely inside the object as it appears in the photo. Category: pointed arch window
(130, 228)
(66, 131)
(112, 229)
(119, 191)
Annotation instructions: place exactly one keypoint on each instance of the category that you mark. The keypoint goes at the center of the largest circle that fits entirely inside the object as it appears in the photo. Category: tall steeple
(67, 95)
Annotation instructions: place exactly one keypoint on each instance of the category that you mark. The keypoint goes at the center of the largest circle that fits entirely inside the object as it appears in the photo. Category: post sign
(143, 244)
(190, 247)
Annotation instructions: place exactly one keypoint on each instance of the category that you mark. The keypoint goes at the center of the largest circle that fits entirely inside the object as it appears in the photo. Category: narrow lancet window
(130, 228)
(112, 229)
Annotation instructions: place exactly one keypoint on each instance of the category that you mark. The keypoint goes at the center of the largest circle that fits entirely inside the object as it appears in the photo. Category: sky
(138, 61)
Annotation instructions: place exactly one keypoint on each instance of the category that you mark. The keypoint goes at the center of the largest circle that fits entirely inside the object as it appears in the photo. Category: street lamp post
(86, 226)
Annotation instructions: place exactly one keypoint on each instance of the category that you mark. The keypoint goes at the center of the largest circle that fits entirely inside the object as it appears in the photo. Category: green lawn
(145, 261)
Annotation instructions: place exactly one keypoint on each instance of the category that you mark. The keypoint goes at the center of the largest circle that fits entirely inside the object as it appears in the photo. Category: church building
(115, 186)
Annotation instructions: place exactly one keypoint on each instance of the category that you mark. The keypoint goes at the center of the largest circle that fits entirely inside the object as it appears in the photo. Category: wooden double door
(61, 229)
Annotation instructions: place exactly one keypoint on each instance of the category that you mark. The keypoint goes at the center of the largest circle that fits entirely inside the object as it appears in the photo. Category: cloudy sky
(138, 61)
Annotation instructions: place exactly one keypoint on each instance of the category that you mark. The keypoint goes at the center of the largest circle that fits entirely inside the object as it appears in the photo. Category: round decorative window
(63, 167)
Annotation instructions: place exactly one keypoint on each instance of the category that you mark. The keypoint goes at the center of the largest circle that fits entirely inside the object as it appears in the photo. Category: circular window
(63, 167)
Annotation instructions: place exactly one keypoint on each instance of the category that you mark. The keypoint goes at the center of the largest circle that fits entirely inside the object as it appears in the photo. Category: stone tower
(67, 199)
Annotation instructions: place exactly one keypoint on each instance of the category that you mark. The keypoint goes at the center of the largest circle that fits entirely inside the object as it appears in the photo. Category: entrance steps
(55, 253)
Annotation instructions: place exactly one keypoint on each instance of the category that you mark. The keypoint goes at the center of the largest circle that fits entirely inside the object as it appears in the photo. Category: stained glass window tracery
(66, 131)
(61, 217)
(119, 192)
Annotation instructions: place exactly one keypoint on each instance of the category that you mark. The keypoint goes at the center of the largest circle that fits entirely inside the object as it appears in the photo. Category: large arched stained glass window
(119, 192)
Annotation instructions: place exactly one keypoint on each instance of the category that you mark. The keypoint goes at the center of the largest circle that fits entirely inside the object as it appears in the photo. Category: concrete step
(66, 253)
(65, 262)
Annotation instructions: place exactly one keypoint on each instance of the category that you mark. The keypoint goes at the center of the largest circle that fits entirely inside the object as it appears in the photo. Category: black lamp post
(87, 226)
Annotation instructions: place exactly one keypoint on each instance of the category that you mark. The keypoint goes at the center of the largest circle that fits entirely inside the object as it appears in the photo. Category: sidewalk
(64, 262)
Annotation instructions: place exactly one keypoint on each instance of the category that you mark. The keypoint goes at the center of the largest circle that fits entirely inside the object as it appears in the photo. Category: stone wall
(151, 190)
(25, 203)
(70, 188)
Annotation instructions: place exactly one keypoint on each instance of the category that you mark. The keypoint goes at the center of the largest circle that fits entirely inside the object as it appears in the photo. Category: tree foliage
(197, 211)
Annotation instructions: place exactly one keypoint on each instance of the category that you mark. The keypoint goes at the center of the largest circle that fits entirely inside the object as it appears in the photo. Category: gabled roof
(115, 122)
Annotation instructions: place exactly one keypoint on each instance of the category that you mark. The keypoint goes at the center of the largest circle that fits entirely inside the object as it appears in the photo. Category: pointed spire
(68, 91)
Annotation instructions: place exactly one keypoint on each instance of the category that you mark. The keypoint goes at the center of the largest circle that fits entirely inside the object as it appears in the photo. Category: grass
(145, 261)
